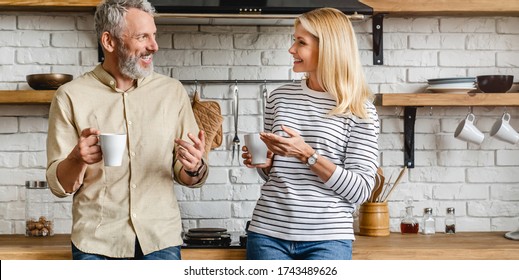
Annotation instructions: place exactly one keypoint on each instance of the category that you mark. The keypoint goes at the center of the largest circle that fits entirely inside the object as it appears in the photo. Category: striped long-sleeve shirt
(295, 204)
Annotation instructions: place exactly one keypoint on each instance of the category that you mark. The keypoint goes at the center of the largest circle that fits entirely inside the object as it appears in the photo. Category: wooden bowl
(47, 81)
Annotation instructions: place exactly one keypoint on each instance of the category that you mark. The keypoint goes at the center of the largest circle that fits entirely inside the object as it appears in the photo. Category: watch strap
(197, 172)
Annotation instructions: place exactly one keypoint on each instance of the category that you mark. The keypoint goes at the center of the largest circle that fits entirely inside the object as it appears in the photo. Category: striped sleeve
(355, 180)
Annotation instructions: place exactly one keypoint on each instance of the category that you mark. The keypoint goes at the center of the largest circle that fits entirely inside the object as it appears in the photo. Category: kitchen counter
(465, 245)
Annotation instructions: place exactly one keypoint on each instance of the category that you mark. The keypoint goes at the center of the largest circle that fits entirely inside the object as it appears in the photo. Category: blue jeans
(170, 253)
(262, 247)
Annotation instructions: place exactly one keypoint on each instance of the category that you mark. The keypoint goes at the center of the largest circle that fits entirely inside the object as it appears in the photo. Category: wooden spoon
(385, 188)
(377, 185)
(396, 183)
(379, 189)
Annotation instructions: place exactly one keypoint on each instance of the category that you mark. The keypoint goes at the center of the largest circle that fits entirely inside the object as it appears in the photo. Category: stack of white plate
(452, 85)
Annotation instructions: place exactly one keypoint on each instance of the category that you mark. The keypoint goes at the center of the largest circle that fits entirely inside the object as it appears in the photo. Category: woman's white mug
(256, 147)
(467, 131)
(502, 130)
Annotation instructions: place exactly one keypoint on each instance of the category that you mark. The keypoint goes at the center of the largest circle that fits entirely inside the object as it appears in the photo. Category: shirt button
(134, 186)
(134, 215)
(132, 154)
(125, 94)
(129, 122)
(112, 83)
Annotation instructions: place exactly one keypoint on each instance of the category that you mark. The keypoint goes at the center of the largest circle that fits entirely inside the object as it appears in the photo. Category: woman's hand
(247, 159)
(292, 146)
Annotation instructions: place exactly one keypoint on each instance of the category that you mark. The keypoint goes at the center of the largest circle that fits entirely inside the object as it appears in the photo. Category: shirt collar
(107, 79)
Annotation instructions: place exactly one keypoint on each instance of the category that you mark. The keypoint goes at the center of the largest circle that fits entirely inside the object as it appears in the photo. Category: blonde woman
(322, 137)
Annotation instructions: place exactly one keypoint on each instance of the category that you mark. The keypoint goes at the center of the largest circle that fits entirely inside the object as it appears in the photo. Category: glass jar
(408, 223)
(39, 209)
(429, 224)
(450, 221)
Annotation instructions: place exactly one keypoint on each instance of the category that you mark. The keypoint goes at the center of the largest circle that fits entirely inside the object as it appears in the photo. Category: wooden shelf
(450, 99)
(445, 7)
(392, 7)
(410, 101)
(38, 5)
(386, 99)
(26, 96)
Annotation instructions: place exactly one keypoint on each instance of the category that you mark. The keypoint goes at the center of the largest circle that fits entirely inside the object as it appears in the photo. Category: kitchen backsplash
(480, 182)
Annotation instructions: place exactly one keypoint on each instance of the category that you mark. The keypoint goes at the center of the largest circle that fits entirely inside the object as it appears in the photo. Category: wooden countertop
(465, 246)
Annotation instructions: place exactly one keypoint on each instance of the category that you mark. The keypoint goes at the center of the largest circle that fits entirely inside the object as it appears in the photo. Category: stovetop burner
(207, 237)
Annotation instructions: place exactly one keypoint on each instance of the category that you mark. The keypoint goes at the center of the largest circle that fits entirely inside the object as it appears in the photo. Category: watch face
(312, 160)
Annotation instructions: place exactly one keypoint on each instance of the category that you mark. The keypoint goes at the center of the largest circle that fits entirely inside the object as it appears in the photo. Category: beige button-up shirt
(116, 204)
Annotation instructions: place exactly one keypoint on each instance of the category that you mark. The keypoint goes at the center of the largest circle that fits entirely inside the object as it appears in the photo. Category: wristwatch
(312, 159)
(195, 173)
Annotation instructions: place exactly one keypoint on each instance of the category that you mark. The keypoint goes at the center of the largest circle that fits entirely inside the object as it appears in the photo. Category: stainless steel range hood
(248, 12)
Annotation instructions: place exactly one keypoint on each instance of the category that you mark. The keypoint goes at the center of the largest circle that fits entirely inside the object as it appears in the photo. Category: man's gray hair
(109, 15)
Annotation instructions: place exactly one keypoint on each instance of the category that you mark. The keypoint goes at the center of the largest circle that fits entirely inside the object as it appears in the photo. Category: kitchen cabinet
(396, 246)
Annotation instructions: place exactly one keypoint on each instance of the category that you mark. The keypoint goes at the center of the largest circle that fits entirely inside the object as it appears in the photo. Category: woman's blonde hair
(339, 70)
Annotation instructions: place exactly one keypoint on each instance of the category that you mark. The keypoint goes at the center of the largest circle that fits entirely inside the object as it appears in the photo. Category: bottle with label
(450, 221)
(429, 224)
(408, 223)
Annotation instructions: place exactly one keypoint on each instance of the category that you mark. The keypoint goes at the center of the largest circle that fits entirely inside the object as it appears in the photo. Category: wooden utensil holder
(374, 219)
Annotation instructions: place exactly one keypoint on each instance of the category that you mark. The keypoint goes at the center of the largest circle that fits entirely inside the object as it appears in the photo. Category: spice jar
(429, 224)
(450, 221)
(39, 209)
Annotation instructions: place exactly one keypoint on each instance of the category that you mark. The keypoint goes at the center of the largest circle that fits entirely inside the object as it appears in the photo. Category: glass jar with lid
(39, 209)
(429, 223)
(408, 223)
(450, 221)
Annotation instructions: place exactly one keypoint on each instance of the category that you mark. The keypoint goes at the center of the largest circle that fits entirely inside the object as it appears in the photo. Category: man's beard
(129, 64)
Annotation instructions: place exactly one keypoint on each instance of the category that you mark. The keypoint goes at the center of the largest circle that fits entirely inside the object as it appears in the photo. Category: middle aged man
(130, 211)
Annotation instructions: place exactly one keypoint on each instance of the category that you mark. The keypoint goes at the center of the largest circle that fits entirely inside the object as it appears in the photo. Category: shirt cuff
(52, 180)
(262, 174)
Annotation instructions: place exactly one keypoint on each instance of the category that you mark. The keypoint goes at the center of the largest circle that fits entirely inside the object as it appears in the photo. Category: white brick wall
(481, 182)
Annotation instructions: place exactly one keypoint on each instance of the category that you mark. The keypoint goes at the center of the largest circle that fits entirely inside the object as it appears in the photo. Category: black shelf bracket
(409, 121)
(378, 46)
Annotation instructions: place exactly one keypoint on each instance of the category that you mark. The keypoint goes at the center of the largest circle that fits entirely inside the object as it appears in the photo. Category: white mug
(112, 146)
(257, 148)
(502, 130)
(467, 131)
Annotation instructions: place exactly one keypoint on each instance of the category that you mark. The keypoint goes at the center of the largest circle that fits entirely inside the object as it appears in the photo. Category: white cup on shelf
(503, 131)
(467, 131)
